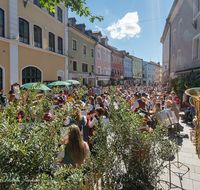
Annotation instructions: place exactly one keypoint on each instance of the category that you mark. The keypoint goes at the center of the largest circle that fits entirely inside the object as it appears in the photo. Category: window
(37, 36)
(115, 60)
(99, 53)
(51, 12)
(105, 71)
(37, 2)
(2, 24)
(99, 70)
(31, 74)
(74, 65)
(99, 38)
(59, 14)
(109, 72)
(196, 7)
(179, 58)
(118, 71)
(196, 48)
(60, 45)
(84, 49)
(179, 27)
(115, 71)
(84, 67)
(92, 52)
(108, 57)
(51, 42)
(143, 75)
(23, 31)
(74, 45)
(92, 68)
(120, 61)
(174, 35)
(104, 55)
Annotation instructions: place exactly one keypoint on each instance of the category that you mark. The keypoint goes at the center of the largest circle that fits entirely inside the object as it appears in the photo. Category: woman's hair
(12, 96)
(92, 99)
(100, 111)
(99, 99)
(78, 115)
(172, 92)
(76, 145)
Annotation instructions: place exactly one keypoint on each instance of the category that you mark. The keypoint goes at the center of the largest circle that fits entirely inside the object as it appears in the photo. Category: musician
(138, 104)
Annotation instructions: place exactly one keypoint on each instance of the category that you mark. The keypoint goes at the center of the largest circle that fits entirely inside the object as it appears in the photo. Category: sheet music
(164, 118)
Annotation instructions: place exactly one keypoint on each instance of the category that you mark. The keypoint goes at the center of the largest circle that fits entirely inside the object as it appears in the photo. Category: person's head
(78, 114)
(103, 97)
(144, 115)
(2, 91)
(157, 105)
(154, 100)
(99, 112)
(11, 92)
(170, 97)
(60, 100)
(97, 87)
(76, 145)
(12, 97)
(99, 100)
(161, 98)
(61, 92)
(91, 100)
(173, 93)
(128, 97)
(169, 103)
(137, 95)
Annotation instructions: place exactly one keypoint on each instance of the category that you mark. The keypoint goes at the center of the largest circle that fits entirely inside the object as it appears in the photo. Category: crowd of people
(144, 100)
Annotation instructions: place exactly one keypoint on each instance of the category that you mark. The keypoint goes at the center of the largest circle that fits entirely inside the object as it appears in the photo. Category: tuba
(195, 94)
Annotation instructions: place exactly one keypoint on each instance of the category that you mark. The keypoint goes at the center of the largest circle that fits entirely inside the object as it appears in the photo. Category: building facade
(81, 53)
(128, 71)
(144, 73)
(32, 49)
(157, 73)
(117, 59)
(151, 73)
(184, 35)
(161, 73)
(102, 59)
(137, 70)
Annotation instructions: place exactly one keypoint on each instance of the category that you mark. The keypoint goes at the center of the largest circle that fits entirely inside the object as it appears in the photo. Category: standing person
(89, 92)
(175, 98)
(97, 91)
(2, 98)
(11, 99)
(90, 107)
(76, 150)
(138, 103)
(93, 92)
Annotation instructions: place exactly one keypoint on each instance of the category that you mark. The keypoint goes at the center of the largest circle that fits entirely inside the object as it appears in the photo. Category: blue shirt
(97, 91)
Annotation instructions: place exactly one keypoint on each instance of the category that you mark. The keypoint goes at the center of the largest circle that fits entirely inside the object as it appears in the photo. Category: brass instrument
(195, 94)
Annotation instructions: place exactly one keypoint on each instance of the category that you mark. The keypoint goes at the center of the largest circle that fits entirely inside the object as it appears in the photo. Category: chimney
(72, 21)
(81, 27)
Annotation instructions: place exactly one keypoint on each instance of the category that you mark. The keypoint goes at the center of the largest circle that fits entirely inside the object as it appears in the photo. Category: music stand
(173, 120)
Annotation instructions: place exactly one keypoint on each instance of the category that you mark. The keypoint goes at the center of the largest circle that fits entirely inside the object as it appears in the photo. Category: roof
(115, 50)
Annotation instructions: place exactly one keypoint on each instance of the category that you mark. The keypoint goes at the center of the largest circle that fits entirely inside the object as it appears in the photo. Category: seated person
(48, 116)
(76, 150)
(99, 102)
(78, 119)
(175, 109)
(168, 104)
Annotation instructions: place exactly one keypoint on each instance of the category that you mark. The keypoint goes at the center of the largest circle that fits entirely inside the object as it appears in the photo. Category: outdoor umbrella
(42, 88)
(60, 84)
(73, 82)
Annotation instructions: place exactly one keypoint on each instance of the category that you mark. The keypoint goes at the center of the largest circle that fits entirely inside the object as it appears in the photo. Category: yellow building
(33, 43)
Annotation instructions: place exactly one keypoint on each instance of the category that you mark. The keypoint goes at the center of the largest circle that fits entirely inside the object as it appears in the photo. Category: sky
(132, 25)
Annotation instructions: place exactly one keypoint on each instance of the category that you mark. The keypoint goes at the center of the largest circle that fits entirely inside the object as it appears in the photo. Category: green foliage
(79, 6)
(125, 155)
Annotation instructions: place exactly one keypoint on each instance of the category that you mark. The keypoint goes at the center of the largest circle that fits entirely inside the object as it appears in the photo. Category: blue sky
(132, 25)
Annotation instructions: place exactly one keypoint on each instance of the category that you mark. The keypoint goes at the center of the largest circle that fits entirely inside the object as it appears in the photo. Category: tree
(79, 6)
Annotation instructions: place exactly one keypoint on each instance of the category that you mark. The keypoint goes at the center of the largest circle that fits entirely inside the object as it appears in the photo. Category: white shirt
(135, 105)
(93, 122)
(105, 103)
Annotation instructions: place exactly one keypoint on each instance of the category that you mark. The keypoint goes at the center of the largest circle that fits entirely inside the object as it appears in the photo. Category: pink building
(103, 60)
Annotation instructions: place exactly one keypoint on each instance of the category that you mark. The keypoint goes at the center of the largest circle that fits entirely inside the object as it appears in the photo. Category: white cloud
(126, 27)
(107, 12)
(100, 29)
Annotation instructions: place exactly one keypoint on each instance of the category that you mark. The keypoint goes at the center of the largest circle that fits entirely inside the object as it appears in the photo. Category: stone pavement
(187, 156)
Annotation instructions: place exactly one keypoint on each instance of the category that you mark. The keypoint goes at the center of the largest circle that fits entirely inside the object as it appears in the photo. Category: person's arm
(135, 105)
(93, 122)
(87, 153)
(61, 155)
